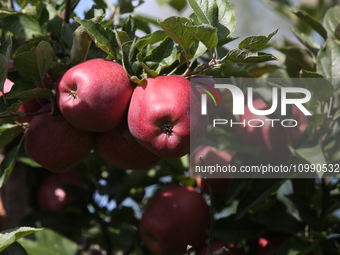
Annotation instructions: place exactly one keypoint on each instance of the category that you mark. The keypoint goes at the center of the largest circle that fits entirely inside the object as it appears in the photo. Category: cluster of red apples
(130, 128)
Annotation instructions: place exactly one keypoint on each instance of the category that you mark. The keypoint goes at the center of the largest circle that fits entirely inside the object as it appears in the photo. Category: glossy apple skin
(174, 217)
(120, 149)
(94, 95)
(220, 186)
(273, 140)
(160, 117)
(55, 144)
(51, 196)
(217, 244)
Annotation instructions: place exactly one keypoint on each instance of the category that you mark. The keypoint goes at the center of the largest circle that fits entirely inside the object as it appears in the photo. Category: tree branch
(32, 114)
(67, 11)
(212, 220)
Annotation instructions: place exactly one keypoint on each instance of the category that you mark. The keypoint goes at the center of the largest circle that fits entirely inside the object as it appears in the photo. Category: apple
(164, 114)
(273, 140)
(94, 95)
(120, 149)
(51, 196)
(55, 144)
(217, 244)
(220, 186)
(174, 218)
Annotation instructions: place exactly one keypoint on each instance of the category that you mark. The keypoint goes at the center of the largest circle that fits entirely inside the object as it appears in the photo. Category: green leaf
(122, 37)
(4, 13)
(260, 69)
(11, 106)
(232, 230)
(33, 65)
(49, 242)
(279, 221)
(332, 20)
(55, 23)
(306, 213)
(157, 36)
(260, 190)
(177, 4)
(10, 236)
(67, 34)
(80, 46)
(226, 19)
(101, 3)
(205, 34)
(94, 12)
(130, 62)
(243, 56)
(126, 6)
(322, 88)
(313, 155)
(129, 27)
(294, 246)
(174, 28)
(5, 54)
(300, 56)
(103, 37)
(206, 11)
(22, 25)
(7, 165)
(8, 133)
(256, 42)
(337, 32)
(159, 58)
(328, 62)
(306, 40)
(316, 25)
(228, 70)
(14, 249)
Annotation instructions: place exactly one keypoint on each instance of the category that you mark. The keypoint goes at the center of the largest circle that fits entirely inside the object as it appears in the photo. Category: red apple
(217, 244)
(212, 157)
(174, 218)
(273, 140)
(55, 144)
(160, 117)
(94, 95)
(120, 149)
(51, 196)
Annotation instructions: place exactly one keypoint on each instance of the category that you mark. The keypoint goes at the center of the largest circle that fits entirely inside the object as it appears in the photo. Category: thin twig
(32, 114)
(202, 70)
(212, 220)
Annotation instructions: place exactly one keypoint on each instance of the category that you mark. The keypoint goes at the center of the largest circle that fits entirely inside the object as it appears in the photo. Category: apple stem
(212, 220)
(31, 114)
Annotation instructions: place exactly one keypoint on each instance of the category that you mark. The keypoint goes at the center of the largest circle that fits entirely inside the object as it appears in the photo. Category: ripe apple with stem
(164, 116)
(94, 95)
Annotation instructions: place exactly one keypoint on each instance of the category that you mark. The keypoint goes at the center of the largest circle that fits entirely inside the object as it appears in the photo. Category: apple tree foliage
(47, 37)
